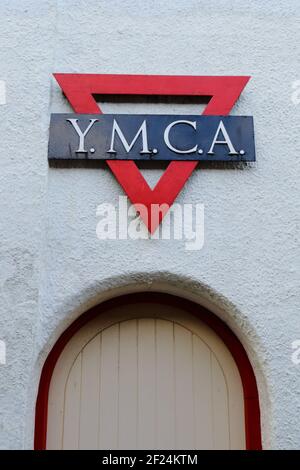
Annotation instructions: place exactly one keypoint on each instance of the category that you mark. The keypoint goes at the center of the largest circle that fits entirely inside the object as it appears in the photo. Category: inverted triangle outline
(79, 90)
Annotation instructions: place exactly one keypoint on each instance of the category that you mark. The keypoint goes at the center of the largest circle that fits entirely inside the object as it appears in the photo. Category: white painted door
(146, 377)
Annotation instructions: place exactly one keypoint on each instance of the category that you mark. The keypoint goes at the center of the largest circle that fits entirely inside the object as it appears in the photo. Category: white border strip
(2, 92)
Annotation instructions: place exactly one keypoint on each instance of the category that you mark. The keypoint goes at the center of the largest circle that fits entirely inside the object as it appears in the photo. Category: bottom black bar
(134, 459)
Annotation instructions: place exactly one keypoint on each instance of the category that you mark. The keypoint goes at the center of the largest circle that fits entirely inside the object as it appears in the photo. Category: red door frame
(251, 400)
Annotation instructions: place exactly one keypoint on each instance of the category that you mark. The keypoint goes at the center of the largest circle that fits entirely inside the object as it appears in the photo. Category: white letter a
(227, 140)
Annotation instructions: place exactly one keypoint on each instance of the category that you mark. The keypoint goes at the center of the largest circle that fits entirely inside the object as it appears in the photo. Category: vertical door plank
(184, 388)
(165, 385)
(89, 413)
(55, 422)
(236, 411)
(128, 385)
(202, 395)
(220, 407)
(109, 386)
(146, 383)
(72, 407)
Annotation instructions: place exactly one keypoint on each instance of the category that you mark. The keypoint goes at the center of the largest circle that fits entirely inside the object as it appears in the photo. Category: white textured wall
(52, 265)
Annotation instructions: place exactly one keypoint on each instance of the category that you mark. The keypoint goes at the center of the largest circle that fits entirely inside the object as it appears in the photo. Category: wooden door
(146, 376)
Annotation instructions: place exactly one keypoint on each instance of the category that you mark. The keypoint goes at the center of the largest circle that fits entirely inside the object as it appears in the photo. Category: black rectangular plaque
(151, 137)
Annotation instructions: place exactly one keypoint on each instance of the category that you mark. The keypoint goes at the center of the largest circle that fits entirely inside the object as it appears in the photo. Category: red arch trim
(251, 400)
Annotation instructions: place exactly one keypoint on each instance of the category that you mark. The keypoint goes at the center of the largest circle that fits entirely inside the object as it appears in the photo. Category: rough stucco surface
(53, 267)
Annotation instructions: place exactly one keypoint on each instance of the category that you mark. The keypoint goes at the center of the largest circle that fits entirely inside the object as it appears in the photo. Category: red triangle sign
(80, 88)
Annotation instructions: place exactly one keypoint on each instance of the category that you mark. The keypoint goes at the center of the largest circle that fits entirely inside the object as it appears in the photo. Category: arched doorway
(148, 371)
